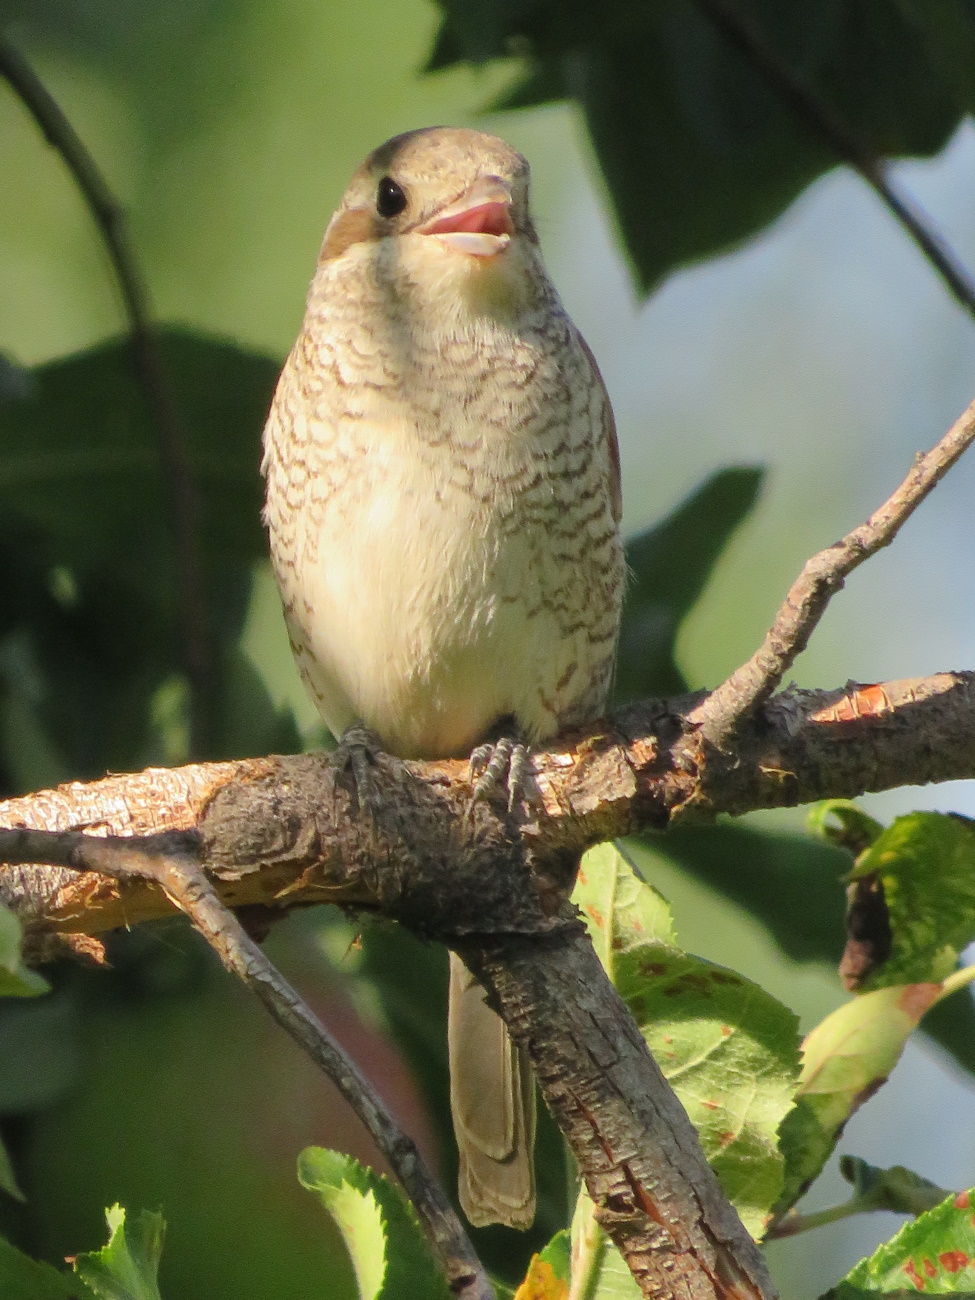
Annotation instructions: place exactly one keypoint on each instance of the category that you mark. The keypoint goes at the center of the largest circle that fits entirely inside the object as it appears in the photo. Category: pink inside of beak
(485, 219)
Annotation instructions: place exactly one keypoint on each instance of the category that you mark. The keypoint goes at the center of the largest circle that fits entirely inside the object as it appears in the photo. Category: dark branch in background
(171, 862)
(746, 35)
(184, 500)
(821, 577)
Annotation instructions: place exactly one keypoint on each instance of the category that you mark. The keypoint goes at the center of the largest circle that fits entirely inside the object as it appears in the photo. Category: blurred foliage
(697, 151)
(146, 1080)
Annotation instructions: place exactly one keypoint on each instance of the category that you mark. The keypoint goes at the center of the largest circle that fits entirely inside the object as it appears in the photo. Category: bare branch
(170, 862)
(721, 713)
(184, 502)
(742, 31)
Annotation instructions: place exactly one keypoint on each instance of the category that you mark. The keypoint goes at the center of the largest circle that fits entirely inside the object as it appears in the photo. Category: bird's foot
(505, 764)
(354, 760)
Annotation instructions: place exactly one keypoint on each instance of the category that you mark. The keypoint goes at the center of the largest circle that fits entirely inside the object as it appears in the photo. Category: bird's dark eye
(390, 198)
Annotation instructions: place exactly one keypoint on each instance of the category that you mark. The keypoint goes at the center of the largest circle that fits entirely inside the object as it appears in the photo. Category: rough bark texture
(491, 884)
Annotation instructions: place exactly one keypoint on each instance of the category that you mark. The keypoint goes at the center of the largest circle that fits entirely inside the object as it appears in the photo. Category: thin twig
(184, 501)
(171, 862)
(742, 31)
(821, 577)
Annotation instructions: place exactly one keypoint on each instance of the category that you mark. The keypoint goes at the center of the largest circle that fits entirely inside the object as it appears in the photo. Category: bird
(443, 507)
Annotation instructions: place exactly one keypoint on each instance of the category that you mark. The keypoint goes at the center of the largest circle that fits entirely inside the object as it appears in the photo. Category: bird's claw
(504, 764)
(354, 760)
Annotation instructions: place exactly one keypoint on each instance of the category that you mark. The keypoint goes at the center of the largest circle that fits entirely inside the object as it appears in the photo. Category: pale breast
(442, 531)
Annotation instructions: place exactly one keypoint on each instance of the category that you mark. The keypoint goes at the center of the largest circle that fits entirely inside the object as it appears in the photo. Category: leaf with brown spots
(727, 1047)
(933, 1254)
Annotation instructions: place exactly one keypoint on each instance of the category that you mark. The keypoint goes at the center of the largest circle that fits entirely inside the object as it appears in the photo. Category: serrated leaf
(670, 565)
(845, 1059)
(926, 864)
(933, 1254)
(381, 1231)
(729, 1048)
(16, 979)
(127, 1267)
(23, 1278)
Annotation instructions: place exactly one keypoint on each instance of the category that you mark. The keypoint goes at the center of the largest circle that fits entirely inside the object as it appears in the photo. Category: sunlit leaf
(729, 1047)
(925, 862)
(379, 1225)
(845, 1059)
(843, 823)
(933, 1254)
(127, 1267)
(548, 1273)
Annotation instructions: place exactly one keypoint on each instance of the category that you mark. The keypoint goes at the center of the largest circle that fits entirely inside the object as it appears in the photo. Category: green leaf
(549, 1272)
(16, 979)
(935, 1254)
(845, 1059)
(728, 1046)
(670, 565)
(840, 822)
(127, 1267)
(926, 864)
(791, 885)
(8, 1180)
(23, 1278)
(698, 150)
(382, 1234)
(897, 1189)
(85, 534)
(621, 911)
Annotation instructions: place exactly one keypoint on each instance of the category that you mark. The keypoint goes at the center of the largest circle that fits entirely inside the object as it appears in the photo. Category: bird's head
(446, 207)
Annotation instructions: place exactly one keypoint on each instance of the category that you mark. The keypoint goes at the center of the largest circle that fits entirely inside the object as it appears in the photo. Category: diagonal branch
(170, 862)
(184, 500)
(722, 712)
(283, 831)
(742, 31)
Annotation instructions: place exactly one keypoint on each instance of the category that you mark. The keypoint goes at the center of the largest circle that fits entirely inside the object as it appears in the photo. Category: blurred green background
(824, 348)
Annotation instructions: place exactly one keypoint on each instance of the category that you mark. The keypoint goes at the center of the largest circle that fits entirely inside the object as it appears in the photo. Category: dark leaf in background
(670, 565)
(88, 584)
(697, 151)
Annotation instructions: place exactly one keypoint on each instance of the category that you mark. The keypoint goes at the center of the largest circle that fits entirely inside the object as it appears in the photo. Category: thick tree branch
(744, 33)
(184, 500)
(493, 885)
(272, 838)
(822, 576)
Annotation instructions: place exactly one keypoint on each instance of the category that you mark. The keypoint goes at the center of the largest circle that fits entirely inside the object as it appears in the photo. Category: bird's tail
(492, 1100)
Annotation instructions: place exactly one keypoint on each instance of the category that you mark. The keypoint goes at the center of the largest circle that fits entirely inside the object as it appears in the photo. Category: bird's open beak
(479, 223)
